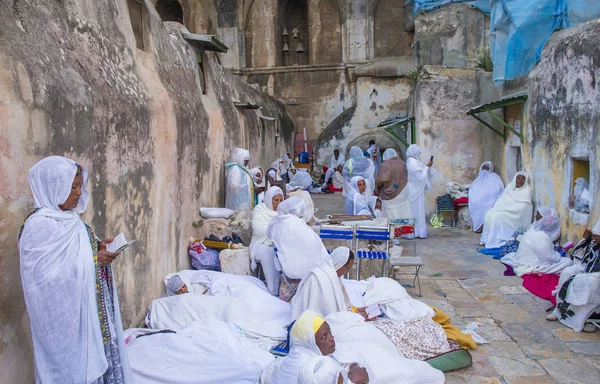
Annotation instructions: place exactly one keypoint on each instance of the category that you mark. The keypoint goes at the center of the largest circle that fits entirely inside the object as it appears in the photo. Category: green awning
(208, 42)
(490, 107)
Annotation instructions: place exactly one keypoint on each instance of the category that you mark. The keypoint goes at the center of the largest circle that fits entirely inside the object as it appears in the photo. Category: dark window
(136, 14)
(169, 10)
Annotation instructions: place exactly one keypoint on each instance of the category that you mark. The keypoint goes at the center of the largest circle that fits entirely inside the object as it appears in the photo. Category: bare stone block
(516, 367)
(546, 351)
(528, 333)
(499, 348)
(529, 380)
(585, 348)
(512, 290)
(567, 334)
(235, 261)
(508, 312)
(571, 371)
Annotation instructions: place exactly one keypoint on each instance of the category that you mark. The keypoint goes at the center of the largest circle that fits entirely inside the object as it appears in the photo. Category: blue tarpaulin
(519, 29)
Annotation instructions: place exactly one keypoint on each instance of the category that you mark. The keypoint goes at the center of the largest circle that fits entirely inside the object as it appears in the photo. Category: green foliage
(413, 74)
(484, 59)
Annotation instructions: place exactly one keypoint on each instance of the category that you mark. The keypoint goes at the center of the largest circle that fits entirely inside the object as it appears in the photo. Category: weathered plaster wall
(390, 37)
(442, 97)
(449, 36)
(564, 121)
(73, 83)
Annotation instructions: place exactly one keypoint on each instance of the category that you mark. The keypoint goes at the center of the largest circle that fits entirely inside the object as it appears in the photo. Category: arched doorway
(382, 139)
(169, 10)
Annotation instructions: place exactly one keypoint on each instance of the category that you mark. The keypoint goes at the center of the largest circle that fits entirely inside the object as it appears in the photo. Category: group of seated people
(532, 250)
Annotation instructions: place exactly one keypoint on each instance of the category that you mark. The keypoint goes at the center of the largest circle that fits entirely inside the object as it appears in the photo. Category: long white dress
(239, 194)
(512, 213)
(399, 206)
(483, 193)
(420, 179)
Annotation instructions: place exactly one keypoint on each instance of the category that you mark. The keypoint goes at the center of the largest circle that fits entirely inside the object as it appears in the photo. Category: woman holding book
(68, 283)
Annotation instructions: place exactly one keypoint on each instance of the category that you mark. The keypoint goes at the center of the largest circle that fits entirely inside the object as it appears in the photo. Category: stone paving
(523, 346)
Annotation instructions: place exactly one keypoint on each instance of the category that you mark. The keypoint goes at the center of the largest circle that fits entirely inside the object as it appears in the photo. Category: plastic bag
(204, 258)
(436, 221)
(581, 186)
(216, 213)
(470, 329)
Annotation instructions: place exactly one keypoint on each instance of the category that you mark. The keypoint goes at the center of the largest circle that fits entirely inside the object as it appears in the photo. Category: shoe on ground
(481, 244)
(589, 328)
(551, 317)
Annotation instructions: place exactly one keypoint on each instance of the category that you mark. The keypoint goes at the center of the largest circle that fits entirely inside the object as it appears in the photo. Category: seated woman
(375, 205)
(299, 248)
(511, 213)
(261, 248)
(536, 252)
(239, 193)
(578, 289)
(299, 180)
(358, 165)
(259, 182)
(337, 180)
(483, 193)
(311, 337)
(356, 198)
(206, 352)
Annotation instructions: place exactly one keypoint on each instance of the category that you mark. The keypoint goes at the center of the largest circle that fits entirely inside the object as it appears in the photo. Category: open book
(119, 244)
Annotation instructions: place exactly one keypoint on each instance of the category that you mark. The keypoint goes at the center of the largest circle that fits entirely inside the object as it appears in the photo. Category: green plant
(484, 59)
(413, 74)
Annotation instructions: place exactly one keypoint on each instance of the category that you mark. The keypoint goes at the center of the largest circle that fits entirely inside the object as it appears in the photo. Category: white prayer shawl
(206, 352)
(372, 203)
(483, 193)
(357, 202)
(420, 179)
(338, 180)
(300, 179)
(299, 248)
(359, 341)
(333, 163)
(303, 347)
(394, 301)
(308, 208)
(254, 172)
(239, 194)
(511, 213)
(359, 165)
(59, 282)
(261, 216)
(339, 257)
(320, 370)
(536, 252)
(320, 291)
(583, 295)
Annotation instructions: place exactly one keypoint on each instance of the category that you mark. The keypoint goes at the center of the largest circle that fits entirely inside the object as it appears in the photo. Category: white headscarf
(483, 193)
(413, 151)
(359, 165)
(240, 155)
(489, 164)
(303, 347)
(359, 200)
(254, 172)
(59, 281)
(292, 206)
(339, 257)
(320, 370)
(523, 194)
(174, 284)
(547, 211)
(270, 194)
(550, 225)
(389, 153)
(354, 187)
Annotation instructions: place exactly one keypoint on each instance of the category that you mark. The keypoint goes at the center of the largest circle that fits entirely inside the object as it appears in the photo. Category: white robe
(358, 165)
(483, 193)
(261, 248)
(419, 180)
(333, 164)
(206, 352)
(239, 193)
(511, 213)
(398, 207)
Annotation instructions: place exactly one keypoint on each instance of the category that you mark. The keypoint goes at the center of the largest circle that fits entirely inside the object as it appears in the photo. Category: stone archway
(382, 139)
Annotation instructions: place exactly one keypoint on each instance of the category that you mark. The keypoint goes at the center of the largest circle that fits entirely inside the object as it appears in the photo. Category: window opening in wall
(293, 32)
(201, 72)
(580, 187)
(263, 134)
(136, 15)
(169, 10)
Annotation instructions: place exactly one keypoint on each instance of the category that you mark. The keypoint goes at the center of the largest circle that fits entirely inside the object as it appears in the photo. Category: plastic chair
(397, 260)
(337, 232)
(375, 234)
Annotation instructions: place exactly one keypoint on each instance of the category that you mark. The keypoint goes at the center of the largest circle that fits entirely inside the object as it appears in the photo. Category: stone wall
(564, 122)
(73, 83)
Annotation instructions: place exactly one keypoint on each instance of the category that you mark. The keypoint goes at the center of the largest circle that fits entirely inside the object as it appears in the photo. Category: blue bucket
(303, 157)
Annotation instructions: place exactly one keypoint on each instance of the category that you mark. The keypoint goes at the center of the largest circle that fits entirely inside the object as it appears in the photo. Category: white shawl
(359, 165)
(333, 164)
(483, 193)
(320, 291)
(261, 216)
(394, 301)
(239, 194)
(59, 281)
(420, 176)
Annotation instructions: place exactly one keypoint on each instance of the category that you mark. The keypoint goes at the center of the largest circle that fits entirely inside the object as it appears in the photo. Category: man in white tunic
(336, 159)
(420, 177)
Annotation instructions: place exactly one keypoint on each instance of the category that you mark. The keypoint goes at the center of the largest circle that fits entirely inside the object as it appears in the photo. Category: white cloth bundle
(320, 370)
(456, 190)
(393, 300)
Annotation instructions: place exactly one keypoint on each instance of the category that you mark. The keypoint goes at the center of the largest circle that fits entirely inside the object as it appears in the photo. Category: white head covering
(489, 164)
(320, 370)
(270, 194)
(240, 155)
(413, 151)
(523, 194)
(339, 257)
(550, 225)
(373, 202)
(273, 173)
(174, 284)
(51, 180)
(547, 211)
(292, 206)
(354, 184)
(389, 153)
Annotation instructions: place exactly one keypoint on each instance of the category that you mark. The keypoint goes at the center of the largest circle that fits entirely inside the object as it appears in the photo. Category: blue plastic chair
(375, 234)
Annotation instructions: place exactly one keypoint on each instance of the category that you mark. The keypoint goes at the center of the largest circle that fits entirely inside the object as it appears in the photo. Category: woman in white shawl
(299, 179)
(511, 214)
(299, 248)
(483, 193)
(357, 202)
(420, 177)
(261, 248)
(358, 165)
(68, 283)
(375, 205)
(239, 194)
(536, 252)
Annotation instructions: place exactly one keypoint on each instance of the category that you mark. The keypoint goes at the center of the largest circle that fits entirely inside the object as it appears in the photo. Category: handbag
(204, 258)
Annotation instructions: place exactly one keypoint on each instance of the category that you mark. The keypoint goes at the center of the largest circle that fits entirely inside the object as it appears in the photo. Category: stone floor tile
(529, 380)
(448, 284)
(512, 290)
(528, 333)
(567, 334)
(483, 380)
(500, 349)
(481, 367)
(473, 309)
(492, 332)
(587, 348)
(491, 298)
(595, 361)
(472, 283)
(507, 366)
(571, 370)
(508, 313)
(556, 350)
